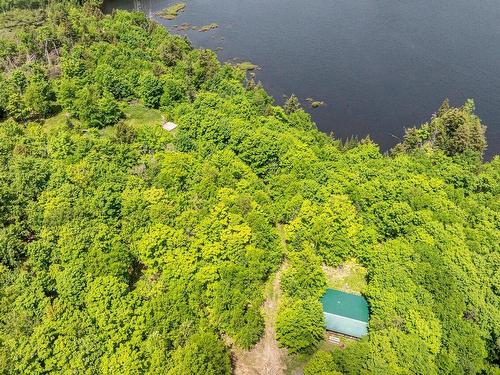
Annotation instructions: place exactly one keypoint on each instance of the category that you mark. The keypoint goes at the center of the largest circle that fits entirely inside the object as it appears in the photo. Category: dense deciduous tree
(299, 325)
(204, 353)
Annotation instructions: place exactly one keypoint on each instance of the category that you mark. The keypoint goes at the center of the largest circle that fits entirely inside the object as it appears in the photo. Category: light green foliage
(13, 20)
(204, 353)
(333, 229)
(156, 247)
(321, 363)
(125, 248)
(304, 277)
(299, 324)
(174, 91)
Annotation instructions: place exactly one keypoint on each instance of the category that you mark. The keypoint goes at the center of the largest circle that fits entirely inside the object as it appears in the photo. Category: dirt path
(266, 358)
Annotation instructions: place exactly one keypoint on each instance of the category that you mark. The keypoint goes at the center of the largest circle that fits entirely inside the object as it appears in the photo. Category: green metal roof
(345, 304)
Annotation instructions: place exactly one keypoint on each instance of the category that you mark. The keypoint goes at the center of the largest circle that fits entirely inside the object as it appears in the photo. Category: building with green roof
(345, 313)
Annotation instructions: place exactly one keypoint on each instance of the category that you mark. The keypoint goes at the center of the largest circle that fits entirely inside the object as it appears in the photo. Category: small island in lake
(208, 27)
(172, 11)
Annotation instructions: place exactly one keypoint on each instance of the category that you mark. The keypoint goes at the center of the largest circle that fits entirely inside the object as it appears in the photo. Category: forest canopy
(126, 248)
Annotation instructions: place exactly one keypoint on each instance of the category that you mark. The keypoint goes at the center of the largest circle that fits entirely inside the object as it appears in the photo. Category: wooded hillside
(129, 249)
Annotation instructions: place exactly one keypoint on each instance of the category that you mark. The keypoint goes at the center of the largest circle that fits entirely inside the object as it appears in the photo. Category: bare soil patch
(266, 358)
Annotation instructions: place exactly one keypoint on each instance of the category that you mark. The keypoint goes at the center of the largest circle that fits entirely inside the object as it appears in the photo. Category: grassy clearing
(172, 11)
(349, 277)
(59, 121)
(55, 121)
(137, 115)
(12, 21)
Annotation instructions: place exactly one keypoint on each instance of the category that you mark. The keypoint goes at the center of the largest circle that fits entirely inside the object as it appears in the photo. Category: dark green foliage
(24, 98)
(452, 130)
(38, 95)
(150, 89)
(125, 133)
(94, 110)
(11, 246)
(291, 105)
(112, 80)
(22, 4)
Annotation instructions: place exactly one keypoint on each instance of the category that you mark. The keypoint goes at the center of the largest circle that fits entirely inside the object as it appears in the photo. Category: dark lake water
(379, 65)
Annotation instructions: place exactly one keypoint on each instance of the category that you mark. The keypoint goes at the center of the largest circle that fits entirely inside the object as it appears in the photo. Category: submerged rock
(184, 26)
(208, 27)
(315, 103)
